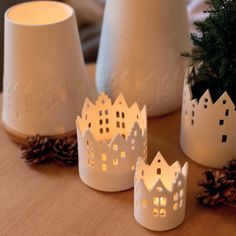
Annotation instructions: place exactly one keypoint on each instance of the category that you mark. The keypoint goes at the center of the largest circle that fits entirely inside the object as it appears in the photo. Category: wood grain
(51, 200)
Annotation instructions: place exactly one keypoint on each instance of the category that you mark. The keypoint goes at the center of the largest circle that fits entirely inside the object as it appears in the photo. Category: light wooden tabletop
(51, 200)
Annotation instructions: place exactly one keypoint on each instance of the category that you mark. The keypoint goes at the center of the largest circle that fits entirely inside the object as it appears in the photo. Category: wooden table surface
(51, 200)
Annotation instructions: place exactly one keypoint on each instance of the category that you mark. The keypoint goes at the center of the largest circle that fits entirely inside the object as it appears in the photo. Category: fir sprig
(215, 51)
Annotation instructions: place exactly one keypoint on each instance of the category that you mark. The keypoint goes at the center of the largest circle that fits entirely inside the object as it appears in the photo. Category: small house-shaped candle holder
(110, 139)
(160, 194)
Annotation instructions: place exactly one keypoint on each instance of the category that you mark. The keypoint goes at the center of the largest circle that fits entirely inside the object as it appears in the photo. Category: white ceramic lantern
(160, 194)
(208, 130)
(111, 136)
(140, 52)
(44, 71)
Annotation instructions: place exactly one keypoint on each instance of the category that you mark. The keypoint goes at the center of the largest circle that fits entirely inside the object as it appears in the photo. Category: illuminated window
(122, 154)
(115, 162)
(159, 189)
(104, 157)
(181, 203)
(163, 201)
(155, 212)
(181, 193)
(115, 147)
(162, 213)
(176, 197)
(104, 167)
(175, 207)
(179, 182)
(156, 201)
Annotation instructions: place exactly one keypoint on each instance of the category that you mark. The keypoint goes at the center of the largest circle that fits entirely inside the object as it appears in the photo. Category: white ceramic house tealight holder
(208, 130)
(44, 71)
(111, 136)
(160, 194)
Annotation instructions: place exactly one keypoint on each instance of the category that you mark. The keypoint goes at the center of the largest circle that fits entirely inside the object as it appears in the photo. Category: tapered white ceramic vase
(44, 71)
(140, 52)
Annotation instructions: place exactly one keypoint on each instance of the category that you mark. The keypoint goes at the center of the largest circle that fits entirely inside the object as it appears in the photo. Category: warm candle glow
(39, 13)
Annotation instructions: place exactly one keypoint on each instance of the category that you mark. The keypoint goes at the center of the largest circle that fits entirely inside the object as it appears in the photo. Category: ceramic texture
(44, 71)
(140, 51)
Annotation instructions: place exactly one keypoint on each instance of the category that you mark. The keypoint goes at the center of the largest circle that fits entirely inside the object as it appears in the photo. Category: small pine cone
(217, 189)
(37, 150)
(66, 151)
(230, 170)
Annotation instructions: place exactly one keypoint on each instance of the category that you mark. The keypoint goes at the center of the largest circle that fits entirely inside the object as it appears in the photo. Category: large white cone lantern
(44, 71)
(140, 52)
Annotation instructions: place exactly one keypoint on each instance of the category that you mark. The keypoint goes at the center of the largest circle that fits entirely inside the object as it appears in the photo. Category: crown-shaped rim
(168, 176)
(137, 124)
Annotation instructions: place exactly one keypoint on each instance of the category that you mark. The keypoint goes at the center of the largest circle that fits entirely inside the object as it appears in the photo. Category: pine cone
(217, 189)
(66, 151)
(37, 150)
(230, 170)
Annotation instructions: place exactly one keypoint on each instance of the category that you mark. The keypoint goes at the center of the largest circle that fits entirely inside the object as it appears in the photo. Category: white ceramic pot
(208, 130)
(44, 71)
(140, 52)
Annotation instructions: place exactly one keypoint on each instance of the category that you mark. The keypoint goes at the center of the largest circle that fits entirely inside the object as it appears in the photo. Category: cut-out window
(103, 101)
(224, 138)
(104, 167)
(104, 157)
(86, 117)
(106, 112)
(100, 122)
(162, 213)
(193, 105)
(117, 114)
(192, 122)
(100, 113)
(142, 172)
(192, 113)
(155, 212)
(89, 125)
(221, 122)
(118, 124)
(181, 193)
(205, 106)
(159, 160)
(101, 131)
(123, 135)
(181, 203)
(159, 189)
(227, 112)
(176, 197)
(87, 143)
(206, 99)
(144, 202)
(123, 125)
(123, 115)
(163, 201)
(156, 201)
(158, 171)
(122, 154)
(115, 147)
(224, 102)
(115, 162)
(107, 130)
(107, 121)
(175, 207)
(135, 133)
